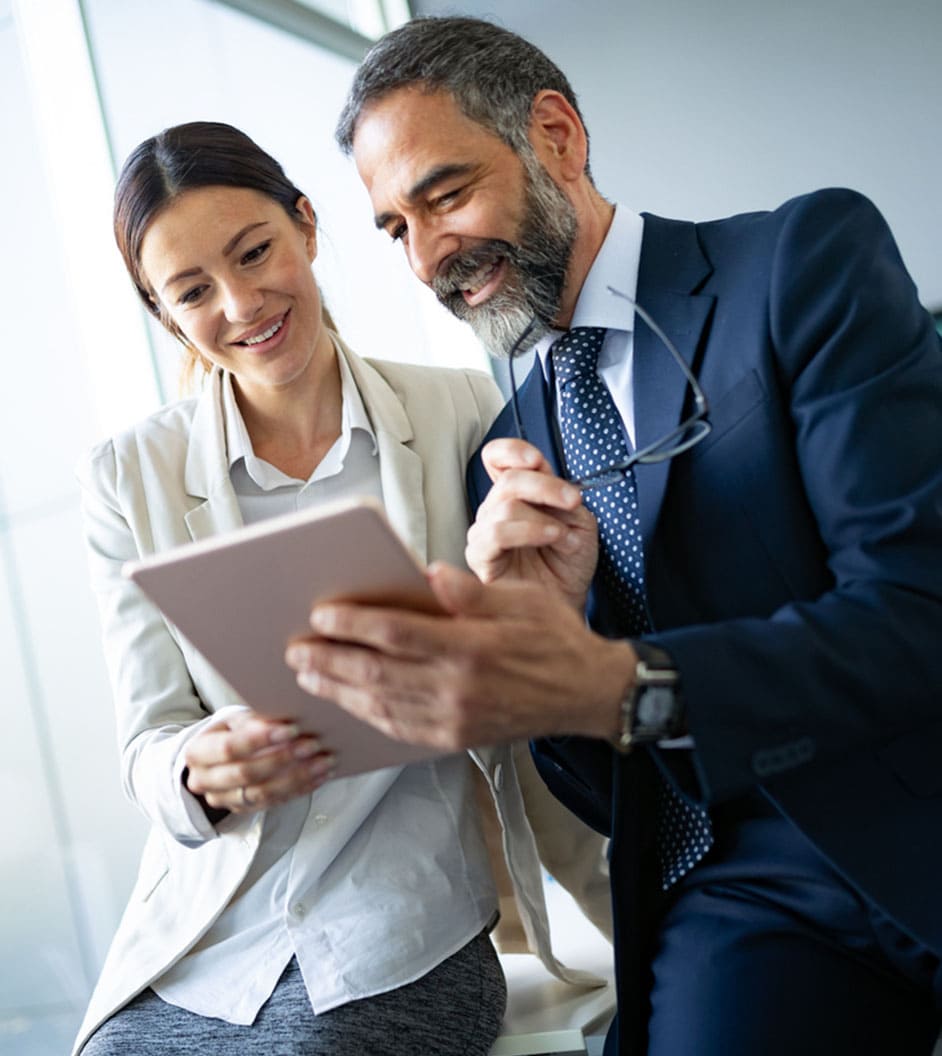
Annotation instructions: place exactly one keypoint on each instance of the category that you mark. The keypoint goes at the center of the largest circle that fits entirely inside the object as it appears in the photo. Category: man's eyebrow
(419, 189)
(226, 250)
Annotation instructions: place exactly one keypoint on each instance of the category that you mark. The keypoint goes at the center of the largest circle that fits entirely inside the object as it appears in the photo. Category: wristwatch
(652, 709)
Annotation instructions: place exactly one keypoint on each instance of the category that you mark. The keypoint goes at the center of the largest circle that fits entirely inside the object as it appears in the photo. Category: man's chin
(497, 324)
(500, 335)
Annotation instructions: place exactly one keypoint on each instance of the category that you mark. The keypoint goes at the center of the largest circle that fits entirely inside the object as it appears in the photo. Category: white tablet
(241, 597)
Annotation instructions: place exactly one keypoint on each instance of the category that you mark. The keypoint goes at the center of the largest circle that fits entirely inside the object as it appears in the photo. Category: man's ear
(558, 136)
(307, 222)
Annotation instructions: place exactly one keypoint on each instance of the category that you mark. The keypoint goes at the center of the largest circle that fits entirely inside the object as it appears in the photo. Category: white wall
(702, 108)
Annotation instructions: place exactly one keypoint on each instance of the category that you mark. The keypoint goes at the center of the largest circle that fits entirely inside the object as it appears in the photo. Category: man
(752, 712)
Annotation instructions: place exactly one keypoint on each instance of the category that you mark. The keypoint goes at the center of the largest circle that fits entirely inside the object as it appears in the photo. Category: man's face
(488, 231)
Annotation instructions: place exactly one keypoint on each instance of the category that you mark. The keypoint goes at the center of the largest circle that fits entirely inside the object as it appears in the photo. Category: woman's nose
(242, 301)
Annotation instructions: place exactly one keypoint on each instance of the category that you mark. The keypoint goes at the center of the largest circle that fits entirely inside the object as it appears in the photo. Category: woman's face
(232, 270)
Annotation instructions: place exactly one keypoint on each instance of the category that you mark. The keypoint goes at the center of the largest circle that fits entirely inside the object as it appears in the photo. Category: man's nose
(429, 251)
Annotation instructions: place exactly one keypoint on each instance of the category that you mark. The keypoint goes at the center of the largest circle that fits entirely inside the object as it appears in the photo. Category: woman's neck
(294, 427)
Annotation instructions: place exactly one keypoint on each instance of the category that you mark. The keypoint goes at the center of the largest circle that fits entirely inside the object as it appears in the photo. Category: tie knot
(577, 352)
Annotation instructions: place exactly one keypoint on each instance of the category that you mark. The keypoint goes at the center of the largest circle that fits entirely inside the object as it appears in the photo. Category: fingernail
(569, 493)
(309, 680)
(551, 531)
(287, 732)
(307, 748)
(294, 656)
(323, 620)
(323, 765)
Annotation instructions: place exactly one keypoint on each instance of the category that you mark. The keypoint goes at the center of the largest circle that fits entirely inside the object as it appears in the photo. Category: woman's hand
(249, 763)
(532, 526)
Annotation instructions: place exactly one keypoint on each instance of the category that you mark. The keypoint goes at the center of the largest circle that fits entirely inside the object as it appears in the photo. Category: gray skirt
(454, 1010)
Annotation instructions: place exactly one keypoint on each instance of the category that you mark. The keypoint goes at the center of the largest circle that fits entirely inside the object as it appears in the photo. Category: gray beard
(536, 271)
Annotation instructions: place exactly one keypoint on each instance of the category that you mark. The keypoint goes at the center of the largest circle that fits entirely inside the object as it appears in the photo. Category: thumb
(459, 593)
(509, 453)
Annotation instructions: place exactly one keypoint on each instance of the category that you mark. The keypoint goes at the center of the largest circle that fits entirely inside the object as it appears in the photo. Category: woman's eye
(256, 253)
(193, 295)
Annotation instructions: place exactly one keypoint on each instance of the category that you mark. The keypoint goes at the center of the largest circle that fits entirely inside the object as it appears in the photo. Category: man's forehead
(407, 135)
(414, 117)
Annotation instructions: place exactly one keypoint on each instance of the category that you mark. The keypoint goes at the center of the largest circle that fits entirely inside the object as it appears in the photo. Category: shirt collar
(616, 264)
(239, 443)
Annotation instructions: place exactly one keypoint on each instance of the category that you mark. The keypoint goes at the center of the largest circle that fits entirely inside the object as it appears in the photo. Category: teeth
(480, 278)
(270, 332)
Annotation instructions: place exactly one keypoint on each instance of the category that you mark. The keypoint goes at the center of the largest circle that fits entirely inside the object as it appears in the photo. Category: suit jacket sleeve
(854, 370)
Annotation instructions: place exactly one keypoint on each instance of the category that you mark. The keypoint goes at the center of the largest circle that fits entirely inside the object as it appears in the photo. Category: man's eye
(398, 232)
(256, 253)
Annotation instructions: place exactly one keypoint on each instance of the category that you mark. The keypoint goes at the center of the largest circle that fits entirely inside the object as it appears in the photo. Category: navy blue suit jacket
(794, 557)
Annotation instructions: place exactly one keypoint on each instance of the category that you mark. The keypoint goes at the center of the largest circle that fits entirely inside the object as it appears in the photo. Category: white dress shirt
(616, 264)
(371, 881)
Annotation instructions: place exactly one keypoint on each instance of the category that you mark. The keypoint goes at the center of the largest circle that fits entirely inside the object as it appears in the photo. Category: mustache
(448, 286)
(461, 270)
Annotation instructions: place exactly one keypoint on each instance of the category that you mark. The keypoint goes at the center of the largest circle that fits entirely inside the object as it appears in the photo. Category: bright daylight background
(697, 108)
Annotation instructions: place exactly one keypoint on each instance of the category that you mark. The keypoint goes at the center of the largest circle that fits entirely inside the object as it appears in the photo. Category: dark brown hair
(183, 158)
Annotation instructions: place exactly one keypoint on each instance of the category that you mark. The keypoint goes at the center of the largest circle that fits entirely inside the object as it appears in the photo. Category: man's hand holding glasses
(533, 525)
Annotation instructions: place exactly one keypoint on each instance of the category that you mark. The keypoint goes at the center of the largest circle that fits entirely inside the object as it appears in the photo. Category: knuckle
(474, 539)
(394, 635)
(506, 509)
(240, 774)
(377, 707)
(371, 668)
(194, 782)
(228, 751)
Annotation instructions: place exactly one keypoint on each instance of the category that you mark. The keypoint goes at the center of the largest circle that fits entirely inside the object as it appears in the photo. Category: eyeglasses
(685, 436)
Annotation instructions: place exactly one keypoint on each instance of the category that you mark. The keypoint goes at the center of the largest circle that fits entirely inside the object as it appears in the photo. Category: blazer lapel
(401, 473)
(400, 468)
(206, 475)
(672, 267)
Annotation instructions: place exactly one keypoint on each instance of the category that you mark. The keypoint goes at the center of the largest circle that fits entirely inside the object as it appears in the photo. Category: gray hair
(492, 74)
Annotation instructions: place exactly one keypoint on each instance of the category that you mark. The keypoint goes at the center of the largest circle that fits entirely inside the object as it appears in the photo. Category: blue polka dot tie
(594, 440)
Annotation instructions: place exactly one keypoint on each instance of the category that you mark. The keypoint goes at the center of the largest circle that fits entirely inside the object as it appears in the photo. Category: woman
(277, 910)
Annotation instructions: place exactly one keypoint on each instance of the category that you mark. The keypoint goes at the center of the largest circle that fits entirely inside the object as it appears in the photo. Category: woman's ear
(307, 221)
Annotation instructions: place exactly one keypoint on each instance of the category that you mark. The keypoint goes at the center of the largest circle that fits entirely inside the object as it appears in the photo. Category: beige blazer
(166, 482)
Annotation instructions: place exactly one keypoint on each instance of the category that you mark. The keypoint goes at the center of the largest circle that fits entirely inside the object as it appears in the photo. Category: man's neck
(594, 219)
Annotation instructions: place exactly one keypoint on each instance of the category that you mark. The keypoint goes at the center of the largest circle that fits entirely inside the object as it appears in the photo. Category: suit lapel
(672, 267)
(537, 414)
(206, 475)
(401, 470)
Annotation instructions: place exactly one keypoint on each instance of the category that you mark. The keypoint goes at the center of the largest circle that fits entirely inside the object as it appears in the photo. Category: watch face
(656, 707)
